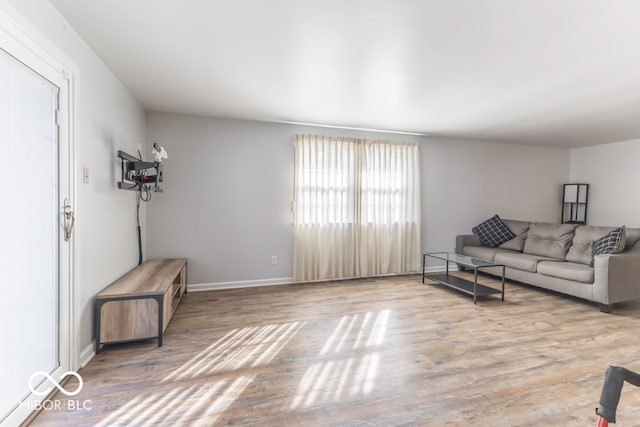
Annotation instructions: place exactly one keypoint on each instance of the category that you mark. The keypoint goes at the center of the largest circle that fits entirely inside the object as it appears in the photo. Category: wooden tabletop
(152, 277)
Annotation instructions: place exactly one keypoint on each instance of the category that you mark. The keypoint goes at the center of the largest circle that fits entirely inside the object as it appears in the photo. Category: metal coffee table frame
(463, 285)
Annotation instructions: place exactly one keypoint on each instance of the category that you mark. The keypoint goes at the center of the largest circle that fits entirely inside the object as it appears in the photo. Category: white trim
(440, 269)
(239, 284)
(410, 273)
(87, 354)
(324, 125)
(23, 32)
(23, 46)
(201, 287)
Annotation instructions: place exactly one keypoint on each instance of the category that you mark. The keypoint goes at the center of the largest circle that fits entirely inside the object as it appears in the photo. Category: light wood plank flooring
(391, 352)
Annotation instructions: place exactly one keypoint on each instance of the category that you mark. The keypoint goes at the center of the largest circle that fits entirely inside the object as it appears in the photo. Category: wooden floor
(391, 352)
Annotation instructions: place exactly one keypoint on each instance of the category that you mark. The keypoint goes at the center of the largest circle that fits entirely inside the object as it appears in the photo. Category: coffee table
(458, 283)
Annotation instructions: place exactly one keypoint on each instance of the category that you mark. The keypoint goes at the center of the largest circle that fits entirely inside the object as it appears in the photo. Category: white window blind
(29, 228)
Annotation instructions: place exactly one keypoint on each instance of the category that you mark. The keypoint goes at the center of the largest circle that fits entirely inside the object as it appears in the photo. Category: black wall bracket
(136, 173)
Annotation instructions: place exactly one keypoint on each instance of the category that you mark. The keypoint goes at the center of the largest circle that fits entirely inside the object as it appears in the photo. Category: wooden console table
(139, 305)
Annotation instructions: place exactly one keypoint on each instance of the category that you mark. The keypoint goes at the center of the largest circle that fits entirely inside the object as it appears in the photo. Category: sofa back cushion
(547, 239)
(520, 229)
(632, 236)
(580, 249)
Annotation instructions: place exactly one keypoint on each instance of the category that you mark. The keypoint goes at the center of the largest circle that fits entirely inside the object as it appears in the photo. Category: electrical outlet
(274, 260)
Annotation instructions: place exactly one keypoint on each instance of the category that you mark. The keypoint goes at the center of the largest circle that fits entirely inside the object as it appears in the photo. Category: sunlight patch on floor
(250, 346)
(357, 336)
(195, 394)
(181, 405)
(215, 403)
(160, 404)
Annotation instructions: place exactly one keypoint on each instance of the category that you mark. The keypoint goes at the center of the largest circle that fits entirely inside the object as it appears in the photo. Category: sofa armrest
(466, 240)
(617, 277)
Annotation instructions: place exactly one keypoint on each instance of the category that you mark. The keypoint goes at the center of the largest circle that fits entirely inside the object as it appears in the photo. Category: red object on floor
(602, 422)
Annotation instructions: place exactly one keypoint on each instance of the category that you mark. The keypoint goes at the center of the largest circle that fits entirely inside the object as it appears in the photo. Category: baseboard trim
(201, 287)
(239, 284)
(87, 354)
(440, 269)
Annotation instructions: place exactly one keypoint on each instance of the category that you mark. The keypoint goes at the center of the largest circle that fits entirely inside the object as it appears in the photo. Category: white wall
(107, 118)
(466, 182)
(226, 204)
(229, 184)
(612, 172)
(223, 206)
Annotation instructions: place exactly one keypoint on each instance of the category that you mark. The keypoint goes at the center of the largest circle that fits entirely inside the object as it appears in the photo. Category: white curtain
(356, 207)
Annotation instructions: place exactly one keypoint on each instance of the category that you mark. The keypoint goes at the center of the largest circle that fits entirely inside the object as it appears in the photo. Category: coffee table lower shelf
(462, 285)
(458, 283)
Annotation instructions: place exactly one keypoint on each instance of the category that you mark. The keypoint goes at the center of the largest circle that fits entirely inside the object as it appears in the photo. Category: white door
(35, 253)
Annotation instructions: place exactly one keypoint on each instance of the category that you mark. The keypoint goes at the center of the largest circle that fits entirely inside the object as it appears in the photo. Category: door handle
(69, 220)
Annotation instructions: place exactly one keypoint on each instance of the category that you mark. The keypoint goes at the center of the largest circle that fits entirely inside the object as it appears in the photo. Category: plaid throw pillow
(610, 243)
(493, 232)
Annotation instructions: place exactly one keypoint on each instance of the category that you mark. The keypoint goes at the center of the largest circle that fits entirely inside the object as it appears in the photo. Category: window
(326, 185)
(356, 207)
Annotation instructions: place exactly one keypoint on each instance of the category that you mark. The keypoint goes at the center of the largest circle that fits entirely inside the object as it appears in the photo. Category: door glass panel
(29, 226)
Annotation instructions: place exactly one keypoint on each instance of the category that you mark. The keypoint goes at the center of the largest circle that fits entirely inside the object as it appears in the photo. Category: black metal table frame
(485, 289)
(102, 301)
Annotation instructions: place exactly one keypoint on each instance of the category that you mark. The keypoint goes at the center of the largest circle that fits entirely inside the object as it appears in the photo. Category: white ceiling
(564, 73)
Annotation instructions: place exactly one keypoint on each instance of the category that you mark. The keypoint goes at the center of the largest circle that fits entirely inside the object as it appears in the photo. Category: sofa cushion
(611, 243)
(519, 228)
(482, 252)
(493, 232)
(632, 236)
(547, 239)
(580, 249)
(566, 270)
(526, 262)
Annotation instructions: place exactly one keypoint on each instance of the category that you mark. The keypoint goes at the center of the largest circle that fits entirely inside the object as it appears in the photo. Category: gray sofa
(558, 257)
